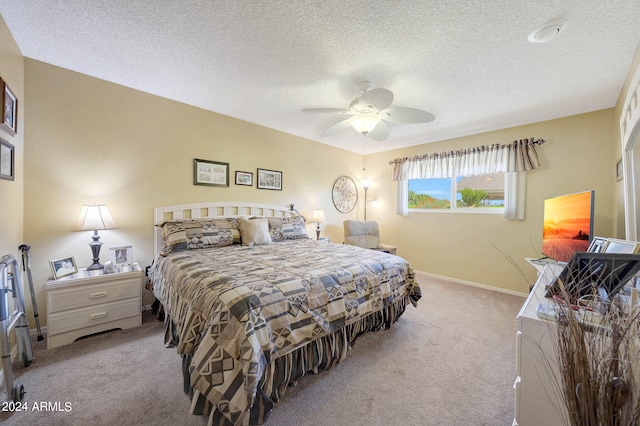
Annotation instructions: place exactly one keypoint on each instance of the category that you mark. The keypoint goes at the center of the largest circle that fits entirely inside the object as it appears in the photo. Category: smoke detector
(547, 32)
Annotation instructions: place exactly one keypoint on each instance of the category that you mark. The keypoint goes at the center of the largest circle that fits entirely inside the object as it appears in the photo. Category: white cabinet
(536, 391)
(90, 302)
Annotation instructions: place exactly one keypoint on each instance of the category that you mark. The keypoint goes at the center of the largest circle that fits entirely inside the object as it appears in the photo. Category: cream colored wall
(577, 156)
(619, 225)
(11, 192)
(93, 141)
(90, 141)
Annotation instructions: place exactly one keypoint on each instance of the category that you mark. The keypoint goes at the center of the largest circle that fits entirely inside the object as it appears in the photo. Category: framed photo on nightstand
(121, 256)
(63, 267)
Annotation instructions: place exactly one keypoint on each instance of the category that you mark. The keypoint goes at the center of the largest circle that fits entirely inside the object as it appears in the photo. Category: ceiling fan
(370, 113)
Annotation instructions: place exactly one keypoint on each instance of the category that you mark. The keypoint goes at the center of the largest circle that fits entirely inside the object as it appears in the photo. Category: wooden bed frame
(213, 209)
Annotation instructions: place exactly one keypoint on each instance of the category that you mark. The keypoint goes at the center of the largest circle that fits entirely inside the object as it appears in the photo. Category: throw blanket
(237, 308)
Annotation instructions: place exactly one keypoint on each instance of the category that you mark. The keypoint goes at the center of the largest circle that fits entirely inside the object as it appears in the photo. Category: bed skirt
(316, 356)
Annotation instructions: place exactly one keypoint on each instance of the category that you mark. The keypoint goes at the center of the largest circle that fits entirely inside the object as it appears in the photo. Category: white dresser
(89, 302)
(536, 399)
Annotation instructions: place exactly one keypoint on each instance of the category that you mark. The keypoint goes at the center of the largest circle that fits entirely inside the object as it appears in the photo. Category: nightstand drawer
(94, 315)
(92, 294)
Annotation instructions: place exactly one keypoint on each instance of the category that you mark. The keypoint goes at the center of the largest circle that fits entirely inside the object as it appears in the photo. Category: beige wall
(577, 156)
(11, 192)
(90, 141)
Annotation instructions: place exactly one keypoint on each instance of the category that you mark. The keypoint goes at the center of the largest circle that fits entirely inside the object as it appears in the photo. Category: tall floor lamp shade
(95, 217)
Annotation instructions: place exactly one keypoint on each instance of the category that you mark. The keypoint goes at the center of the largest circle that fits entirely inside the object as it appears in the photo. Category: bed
(252, 304)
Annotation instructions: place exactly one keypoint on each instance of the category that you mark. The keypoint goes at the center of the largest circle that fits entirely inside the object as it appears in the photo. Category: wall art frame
(9, 108)
(269, 179)
(344, 194)
(7, 160)
(210, 173)
(244, 178)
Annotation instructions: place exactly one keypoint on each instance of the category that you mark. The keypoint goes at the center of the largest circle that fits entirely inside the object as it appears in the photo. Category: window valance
(518, 156)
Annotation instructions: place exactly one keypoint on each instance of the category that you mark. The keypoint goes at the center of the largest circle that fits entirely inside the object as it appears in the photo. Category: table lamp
(95, 217)
(318, 217)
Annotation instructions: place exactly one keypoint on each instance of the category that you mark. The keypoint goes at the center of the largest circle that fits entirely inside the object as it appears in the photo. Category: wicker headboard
(212, 209)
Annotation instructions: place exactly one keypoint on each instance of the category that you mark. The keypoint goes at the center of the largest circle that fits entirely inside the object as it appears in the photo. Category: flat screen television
(568, 225)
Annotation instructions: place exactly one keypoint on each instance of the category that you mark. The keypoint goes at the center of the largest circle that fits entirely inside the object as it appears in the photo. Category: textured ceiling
(467, 62)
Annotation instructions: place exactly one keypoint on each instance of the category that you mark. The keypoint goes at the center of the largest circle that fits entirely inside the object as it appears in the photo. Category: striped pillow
(190, 234)
(287, 228)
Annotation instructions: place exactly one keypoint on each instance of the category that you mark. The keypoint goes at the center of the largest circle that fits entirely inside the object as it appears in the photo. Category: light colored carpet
(451, 361)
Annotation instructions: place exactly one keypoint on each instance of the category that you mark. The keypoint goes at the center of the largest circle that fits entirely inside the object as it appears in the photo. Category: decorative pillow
(180, 235)
(287, 228)
(255, 232)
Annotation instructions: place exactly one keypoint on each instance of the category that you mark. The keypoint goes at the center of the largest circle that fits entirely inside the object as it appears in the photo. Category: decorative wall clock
(344, 194)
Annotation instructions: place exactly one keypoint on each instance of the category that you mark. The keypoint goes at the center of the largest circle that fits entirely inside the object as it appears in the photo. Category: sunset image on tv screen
(567, 224)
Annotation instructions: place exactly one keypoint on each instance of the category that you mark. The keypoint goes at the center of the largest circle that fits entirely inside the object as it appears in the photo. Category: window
(484, 193)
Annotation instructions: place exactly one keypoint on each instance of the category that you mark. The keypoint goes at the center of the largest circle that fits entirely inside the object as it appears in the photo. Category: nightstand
(89, 302)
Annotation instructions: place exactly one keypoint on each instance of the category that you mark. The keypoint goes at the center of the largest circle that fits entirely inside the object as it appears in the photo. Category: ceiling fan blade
(329, 110)
(338, 127)
(377, 99)
(380, 132)
(406, 115)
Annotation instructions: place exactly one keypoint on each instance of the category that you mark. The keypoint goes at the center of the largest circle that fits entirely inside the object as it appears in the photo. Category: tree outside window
(471, 193)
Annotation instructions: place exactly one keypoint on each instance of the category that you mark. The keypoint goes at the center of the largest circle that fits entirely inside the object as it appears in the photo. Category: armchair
(365, 234)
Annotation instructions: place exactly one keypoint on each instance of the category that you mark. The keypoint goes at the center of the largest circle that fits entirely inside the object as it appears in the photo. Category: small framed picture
(619, 170)
(63, 267)
(211, 173)
(269, 179)
(7, 162)
(622, 246)
(244, 178)
(121, 256)
(598, 245)
(9, 109)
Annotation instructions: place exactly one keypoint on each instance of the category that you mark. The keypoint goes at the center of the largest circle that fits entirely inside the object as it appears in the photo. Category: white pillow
(255, 232)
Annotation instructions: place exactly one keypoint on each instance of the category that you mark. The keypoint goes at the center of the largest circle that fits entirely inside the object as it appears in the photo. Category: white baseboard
(472, 284)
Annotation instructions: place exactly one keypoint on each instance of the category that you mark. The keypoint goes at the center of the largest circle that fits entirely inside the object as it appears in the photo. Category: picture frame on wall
(210, 173)
(269, 179)
(244, 178)
(619, 170)
(63, 267)
(121, 255)
(9, 109)
(7, 160)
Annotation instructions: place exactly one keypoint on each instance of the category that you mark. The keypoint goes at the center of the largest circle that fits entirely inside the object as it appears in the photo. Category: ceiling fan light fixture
(364, 123)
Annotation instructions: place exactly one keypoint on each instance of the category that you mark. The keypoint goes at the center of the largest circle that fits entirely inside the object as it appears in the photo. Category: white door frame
(629, 133)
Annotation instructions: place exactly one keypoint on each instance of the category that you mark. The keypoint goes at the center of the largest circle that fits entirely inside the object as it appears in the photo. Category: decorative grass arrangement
(599, 364)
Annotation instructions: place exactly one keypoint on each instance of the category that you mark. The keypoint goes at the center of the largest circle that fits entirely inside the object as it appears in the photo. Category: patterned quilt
(237, 308)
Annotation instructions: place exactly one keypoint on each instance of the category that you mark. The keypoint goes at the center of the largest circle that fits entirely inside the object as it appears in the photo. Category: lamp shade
(318, 216)
(364, 123)
(366, 183)
(94, 217)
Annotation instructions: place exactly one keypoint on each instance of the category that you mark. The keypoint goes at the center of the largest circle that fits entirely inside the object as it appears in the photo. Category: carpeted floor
(451, 361)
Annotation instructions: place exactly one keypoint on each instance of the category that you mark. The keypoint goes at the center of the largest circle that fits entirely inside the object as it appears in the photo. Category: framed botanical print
(7, 162)
(9, 109)
(244, 178)
(211, 173)
(269, 179)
